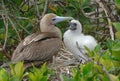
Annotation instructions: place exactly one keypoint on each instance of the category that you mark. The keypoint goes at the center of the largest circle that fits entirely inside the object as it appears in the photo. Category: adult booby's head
(75, 26)
(48, 22)
(52, 19)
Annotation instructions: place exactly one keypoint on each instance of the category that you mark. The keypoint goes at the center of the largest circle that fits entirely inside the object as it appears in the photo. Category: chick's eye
(74, 24)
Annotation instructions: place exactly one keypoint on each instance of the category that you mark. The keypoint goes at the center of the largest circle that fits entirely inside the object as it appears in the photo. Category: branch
(5, 20)
(14, 28)
(10, 19)
(22, 26)
(37, 10)
(16, 20)
(103, 68)
(45, 8)
(108, 19)
(81, 52)
(105, 71)
(4, 52)
(37, 24)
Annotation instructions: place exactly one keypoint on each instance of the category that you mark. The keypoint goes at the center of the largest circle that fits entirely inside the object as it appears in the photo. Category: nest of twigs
(62, 64)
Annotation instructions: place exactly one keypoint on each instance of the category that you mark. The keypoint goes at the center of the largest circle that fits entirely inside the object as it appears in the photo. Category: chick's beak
(72, 26)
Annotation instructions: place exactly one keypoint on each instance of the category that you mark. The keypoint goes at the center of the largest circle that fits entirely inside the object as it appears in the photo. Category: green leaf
(114, 78)
(4, 75)
(43, 68)
(25, 8)
(45, 78)
(89, 52)
(14, 79)
(77, 76)
(74, 70)
(109, 44)
(17, 70)
(105, 63)
(81, 1)
(117, 2)
(116, 63)
(65, 78)
(117, 25)
(97, 68)
(117, 34)
(39, 74)
(104, 77)
(97, 48)
(116, 50)
(87, 69)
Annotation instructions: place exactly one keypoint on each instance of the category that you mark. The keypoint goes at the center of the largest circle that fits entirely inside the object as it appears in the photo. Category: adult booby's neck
(51, 28)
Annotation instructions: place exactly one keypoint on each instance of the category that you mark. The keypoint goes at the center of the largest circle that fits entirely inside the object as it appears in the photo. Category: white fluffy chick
(75, 41)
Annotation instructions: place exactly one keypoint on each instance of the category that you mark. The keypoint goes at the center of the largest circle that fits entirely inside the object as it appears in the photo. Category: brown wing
(42, 50)
(21, 45)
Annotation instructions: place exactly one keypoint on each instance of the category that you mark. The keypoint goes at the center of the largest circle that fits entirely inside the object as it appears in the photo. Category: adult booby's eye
(53, 19)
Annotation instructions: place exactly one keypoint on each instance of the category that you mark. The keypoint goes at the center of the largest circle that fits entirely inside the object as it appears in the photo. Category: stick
(45, 8)
(5, 20)
(108, 19)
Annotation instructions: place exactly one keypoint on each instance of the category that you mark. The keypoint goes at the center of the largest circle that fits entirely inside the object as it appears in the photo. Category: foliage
(18, 73)
(41, 74)
(97, 69)
(117, 27)
(117, 3)
(4, 75)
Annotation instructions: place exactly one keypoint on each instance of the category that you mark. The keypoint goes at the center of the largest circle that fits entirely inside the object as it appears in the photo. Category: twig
(103, 68)
(5, 20)
(22, 27)
(45, 7)
(87, 15)
(97, 21)
(37, 10)
(10, 19)
(108, 19)
(37, 23)
(66, 51)
(105, 71)
(22, 18)
(14, 28)
(4, 52)
(16, 19)
(81, 52)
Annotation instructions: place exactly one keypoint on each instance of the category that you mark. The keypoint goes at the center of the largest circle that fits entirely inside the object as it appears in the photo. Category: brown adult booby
(41, 46)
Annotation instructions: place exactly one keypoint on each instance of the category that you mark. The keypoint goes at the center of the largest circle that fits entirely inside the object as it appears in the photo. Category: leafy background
(100, 18)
